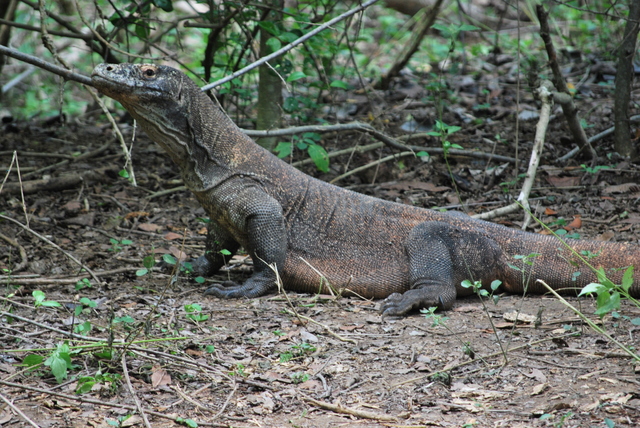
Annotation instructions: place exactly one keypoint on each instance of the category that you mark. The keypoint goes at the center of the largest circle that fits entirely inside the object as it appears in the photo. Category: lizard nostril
(109, 68)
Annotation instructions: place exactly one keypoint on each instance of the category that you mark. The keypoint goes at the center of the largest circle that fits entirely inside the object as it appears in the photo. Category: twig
(290, 46)
(541, 129)
(132, 391)
(568, 107)
(417, 34)
(325, 327)
(380, 136)
(348, 410)
(595, 138)
(18, 411)
(66, 74)
(372, 164)
(75, 398)
(23, 253)
(38, 280)
(69, 255)
(56, 330)
(226, 402)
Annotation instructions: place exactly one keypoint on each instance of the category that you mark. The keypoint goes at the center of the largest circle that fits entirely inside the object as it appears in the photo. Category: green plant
(110, 381)
(239, 371)
(297, 351)
(116, 246)
(148, 262)
(308, 141)
(83, 283)
(194, 312)
(187, 422)
(39, 300)
(594, 169)
(59, 361)
(299, 377)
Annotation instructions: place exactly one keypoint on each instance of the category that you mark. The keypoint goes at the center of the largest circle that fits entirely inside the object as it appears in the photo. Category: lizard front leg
(260, 220)
(218, 239)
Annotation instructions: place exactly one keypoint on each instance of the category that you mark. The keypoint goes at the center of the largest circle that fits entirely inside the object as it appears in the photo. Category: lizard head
(140, 86)
(160, 98)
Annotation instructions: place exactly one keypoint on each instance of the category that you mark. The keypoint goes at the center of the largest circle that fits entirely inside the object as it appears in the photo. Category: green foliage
(82, 284)
(308, 141)
(299, 377)
(39, 300)
(59, 362)
(297, 351)
(595, 169)
(194, 312)
(187, 422)
(608, 294)
(148, 262)
(116, 246)
(110, 380)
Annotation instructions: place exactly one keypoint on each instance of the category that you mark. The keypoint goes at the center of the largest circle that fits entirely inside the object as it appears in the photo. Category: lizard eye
(149, 72)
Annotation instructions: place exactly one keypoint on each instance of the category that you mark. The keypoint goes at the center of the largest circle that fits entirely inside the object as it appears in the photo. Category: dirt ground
(302, 360)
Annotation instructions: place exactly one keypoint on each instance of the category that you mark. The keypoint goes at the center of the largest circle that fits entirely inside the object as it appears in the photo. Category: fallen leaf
(515, 316)
(159, 377)
(563, 181)
(576, 223)
(149, 227)
(621, 188)
(549, 211)
(136, 214)
(72, 206)
(539, 389)
(180, 255)
(170, 236)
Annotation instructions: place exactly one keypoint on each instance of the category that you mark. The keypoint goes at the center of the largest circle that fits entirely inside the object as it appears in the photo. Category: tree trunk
(624, 79)
(270, 84)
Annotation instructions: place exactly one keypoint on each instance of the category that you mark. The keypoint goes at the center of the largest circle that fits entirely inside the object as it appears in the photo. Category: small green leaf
(320, 157)
(142, 272)
(124, 173)
(225, 252)
(593, 287)
(164, 5)
(422, 153)
(283, 149)
(274, 44)
(32, 360)
(199, 280)
(339, 84)
(495, 284)
(169, 259)
(635, 321)
(296, 75)
(149, 262)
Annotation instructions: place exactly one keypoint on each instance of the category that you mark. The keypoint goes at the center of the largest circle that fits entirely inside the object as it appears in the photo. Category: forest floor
(309, 360)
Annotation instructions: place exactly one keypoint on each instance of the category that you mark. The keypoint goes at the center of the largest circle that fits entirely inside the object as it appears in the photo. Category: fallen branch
(62, 182)
(75, 398)
(348, 410)
(23, 254)
(69, 255)
(544, 93)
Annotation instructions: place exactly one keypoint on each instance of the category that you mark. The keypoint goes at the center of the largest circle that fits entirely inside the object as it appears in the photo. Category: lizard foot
(400, 304)
(253, 287)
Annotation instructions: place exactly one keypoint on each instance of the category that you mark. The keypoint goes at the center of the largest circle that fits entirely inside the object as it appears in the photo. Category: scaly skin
(323, 238)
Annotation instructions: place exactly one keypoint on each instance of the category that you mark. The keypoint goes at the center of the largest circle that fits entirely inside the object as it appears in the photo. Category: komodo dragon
(320, 236)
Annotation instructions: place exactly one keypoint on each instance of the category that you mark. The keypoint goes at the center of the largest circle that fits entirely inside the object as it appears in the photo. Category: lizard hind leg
(430, 248)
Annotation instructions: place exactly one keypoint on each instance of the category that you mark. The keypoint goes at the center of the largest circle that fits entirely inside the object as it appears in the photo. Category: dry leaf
(575, 224)
(170, 236)
(539, 388)
(149, 227)
(160, 377)
(180, 255)
(136, 214)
